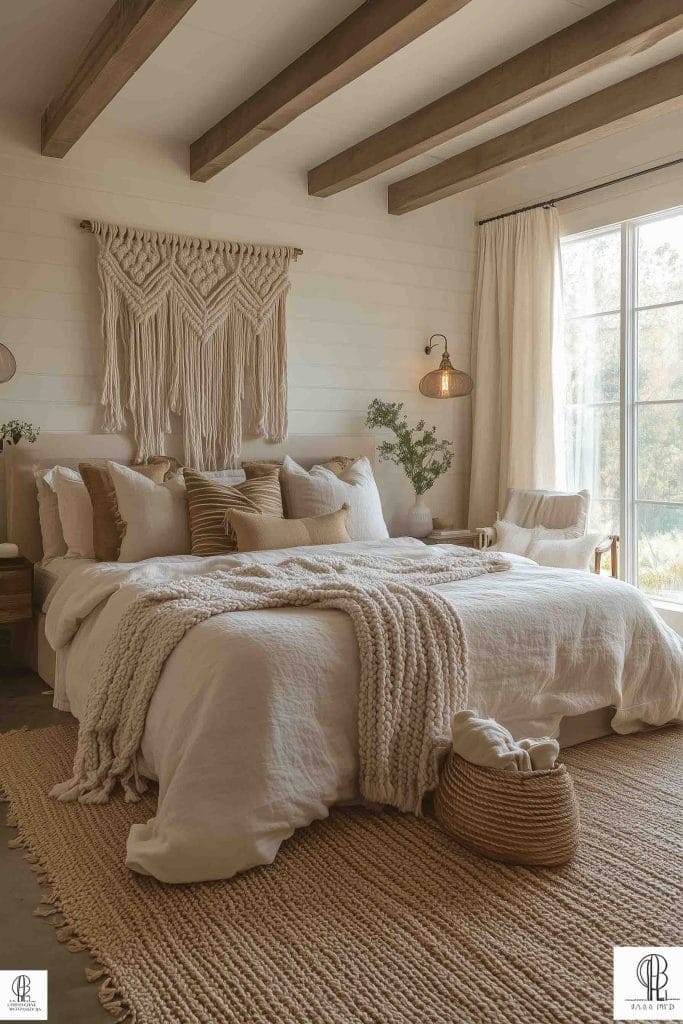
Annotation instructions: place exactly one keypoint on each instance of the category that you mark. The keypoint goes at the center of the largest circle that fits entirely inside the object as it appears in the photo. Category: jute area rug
(365, 918)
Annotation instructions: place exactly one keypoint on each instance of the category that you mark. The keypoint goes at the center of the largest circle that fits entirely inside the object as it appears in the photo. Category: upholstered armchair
(553, 510)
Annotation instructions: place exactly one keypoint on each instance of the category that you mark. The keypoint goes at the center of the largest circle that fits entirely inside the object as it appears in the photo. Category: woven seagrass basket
(516, 817)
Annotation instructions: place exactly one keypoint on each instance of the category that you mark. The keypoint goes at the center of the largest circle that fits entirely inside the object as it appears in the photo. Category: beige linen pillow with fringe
(255, 532)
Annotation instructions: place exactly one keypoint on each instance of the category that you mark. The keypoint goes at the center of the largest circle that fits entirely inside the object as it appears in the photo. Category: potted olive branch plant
(14, 430)
(417, 450)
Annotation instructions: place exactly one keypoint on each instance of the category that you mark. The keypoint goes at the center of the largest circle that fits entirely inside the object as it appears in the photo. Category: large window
(623, 383)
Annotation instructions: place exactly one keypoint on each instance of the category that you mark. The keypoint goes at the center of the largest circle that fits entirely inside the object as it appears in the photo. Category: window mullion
(629, 462)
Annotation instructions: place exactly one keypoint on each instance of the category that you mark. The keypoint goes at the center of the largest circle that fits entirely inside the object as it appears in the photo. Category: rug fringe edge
(110, 996)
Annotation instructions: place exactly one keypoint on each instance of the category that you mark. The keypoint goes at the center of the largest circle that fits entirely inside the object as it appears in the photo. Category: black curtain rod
(582, 191)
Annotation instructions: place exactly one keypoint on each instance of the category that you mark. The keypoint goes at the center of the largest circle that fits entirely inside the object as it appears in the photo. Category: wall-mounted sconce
(446, 382)
(8, 364)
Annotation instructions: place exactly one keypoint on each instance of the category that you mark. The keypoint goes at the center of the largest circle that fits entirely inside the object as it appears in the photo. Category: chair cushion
(560, 548)
(551, 509)
(513, 539)
(567, 553)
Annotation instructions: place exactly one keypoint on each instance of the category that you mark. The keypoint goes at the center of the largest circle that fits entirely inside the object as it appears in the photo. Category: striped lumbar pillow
(208, 502)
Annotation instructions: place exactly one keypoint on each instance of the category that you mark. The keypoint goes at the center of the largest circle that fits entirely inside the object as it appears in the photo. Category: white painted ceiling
(223, 50)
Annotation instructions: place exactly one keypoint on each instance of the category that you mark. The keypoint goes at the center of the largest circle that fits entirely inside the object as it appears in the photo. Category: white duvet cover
(252, 731)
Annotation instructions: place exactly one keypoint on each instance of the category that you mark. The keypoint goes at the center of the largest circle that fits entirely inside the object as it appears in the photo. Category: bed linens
(252, 730)
(410, 643)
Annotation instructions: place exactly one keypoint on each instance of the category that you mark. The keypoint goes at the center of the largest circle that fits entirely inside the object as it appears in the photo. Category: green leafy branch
(416, 449)
(14, 430)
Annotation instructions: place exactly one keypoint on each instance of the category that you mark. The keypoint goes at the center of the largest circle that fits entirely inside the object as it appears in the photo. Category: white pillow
(516, 540)
(54, 545)
(75, 510)
(563, 553)
(513, 539)
(230, 477)
(155, 515)
(321, 491)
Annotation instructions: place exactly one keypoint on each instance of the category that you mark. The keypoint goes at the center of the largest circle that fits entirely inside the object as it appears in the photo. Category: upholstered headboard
(23, 527)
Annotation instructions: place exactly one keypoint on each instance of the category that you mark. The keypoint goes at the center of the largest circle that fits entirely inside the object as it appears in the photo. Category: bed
(68, 449)
(244, 755)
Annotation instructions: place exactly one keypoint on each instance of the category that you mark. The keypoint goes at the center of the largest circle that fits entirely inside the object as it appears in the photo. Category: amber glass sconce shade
(446, 382)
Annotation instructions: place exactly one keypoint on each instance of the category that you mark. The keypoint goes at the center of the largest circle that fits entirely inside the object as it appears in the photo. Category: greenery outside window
(622, 379)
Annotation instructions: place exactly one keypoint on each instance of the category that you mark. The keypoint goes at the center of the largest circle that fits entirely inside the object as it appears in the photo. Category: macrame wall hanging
(193, 327)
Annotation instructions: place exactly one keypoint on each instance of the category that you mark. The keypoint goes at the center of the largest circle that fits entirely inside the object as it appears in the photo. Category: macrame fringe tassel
(192, 328)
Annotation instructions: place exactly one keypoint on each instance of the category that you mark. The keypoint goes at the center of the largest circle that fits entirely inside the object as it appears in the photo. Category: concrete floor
(27, 942)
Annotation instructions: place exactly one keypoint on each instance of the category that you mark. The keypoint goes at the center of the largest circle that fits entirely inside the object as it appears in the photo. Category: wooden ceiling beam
(623, 105)
(623, 27)
(368, 36)
(122, 42)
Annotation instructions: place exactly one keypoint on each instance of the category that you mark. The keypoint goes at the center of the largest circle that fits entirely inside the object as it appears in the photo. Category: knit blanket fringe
(411, 645)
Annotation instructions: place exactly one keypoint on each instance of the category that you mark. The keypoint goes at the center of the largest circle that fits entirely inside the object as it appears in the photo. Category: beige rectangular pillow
(255, 532)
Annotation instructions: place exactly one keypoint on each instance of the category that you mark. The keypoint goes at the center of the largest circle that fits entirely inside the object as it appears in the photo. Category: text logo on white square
(23, 995)
(648, 983)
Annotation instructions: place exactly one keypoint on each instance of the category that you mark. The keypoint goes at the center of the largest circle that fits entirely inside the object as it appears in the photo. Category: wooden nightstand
(16, 593)
(16, 590)
(16, 604)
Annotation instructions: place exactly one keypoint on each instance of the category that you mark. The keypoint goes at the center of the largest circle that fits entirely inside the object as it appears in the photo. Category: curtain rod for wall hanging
(582, 191)
(87, 225)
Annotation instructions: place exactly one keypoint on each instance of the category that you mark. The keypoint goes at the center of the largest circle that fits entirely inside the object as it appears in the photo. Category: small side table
(465, 538)
(16, 593)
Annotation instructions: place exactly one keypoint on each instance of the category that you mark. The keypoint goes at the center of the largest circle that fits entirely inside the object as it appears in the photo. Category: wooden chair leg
(598, 562)
(614, 557)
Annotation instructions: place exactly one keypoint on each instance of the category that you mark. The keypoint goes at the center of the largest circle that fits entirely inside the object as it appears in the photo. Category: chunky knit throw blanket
(413, 664)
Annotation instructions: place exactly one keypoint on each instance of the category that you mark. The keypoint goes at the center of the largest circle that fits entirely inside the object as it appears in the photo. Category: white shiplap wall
(366, 295)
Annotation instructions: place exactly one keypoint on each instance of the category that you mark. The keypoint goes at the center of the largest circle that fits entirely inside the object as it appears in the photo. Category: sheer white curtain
(517, 423)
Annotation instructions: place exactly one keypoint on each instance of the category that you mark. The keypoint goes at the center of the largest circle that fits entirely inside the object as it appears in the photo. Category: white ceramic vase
(418, 519)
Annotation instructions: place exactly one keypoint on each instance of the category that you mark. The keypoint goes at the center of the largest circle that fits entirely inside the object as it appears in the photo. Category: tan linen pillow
(208, 501)
(256, 532)
(107, 525)
(338, 464)
(260, 467)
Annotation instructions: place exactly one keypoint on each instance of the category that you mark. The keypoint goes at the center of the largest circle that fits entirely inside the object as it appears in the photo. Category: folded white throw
(487, 743)
(410, 643)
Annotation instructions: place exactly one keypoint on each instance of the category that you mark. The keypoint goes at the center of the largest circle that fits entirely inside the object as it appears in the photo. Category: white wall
(366, 295)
